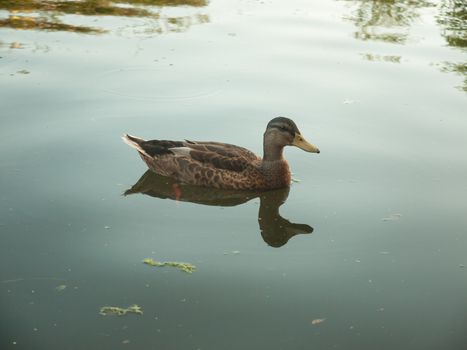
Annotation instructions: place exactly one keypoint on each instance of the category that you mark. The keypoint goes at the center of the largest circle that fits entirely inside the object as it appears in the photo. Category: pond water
(367, 249)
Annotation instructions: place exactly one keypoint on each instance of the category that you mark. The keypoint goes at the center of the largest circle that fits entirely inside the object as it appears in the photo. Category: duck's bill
(300, 142)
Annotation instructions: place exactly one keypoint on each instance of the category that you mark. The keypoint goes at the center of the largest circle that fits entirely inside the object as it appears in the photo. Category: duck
(223, 165)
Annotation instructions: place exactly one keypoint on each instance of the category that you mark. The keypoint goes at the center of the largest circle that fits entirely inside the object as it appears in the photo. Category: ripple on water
(171, 82)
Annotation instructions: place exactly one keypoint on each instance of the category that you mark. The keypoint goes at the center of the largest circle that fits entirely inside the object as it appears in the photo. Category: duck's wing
(221, 162)
(214, 155)
(223, 149)
(155, 148)
(217, 158)
(208, 164)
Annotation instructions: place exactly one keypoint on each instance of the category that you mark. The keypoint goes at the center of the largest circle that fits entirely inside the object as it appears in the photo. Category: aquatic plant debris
(61, 287)
(115, 310)
(16, 45)
(317, 321)
(186, 267)
(392, 217)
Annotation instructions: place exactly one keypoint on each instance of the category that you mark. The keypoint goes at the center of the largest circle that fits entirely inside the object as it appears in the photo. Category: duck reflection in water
(275, 230)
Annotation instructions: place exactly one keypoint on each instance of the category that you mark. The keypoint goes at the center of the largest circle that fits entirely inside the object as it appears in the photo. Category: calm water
(379, 86)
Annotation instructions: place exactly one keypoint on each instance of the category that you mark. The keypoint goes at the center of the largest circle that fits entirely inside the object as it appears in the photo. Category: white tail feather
(134, 144)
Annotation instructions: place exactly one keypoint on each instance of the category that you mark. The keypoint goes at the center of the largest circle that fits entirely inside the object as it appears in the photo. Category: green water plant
(115, 310)
(186, 267)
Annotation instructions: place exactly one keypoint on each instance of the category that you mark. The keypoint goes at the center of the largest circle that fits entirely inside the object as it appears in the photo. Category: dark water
(379, 86)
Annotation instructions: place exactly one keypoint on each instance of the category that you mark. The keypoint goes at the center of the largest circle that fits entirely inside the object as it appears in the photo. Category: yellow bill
(300, 142)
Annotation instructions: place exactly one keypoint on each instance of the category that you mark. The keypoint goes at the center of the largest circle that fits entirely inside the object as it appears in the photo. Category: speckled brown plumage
(222, 165)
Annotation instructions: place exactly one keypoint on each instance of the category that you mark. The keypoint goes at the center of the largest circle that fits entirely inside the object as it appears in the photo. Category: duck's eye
(282, 128)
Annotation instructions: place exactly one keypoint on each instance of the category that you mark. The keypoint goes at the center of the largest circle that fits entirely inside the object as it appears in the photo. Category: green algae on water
(186, 267)
(115, 310)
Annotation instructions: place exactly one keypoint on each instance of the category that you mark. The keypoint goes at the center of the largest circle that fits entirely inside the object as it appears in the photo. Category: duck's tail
(135, 142)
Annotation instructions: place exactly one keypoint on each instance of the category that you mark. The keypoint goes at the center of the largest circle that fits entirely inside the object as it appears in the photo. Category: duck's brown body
(220, 165)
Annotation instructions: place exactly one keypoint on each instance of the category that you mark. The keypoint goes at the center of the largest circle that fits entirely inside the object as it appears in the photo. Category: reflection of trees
(197, 3)
(46, 15)
(453, 22)
(381, 58)
(458, 68)
(176, 24)
(390, 21)
(386, 20)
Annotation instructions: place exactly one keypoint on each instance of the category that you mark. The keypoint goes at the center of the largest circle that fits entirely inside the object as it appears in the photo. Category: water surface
(379, 86)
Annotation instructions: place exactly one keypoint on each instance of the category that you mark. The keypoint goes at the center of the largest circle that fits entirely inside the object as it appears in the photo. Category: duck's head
(282, 132)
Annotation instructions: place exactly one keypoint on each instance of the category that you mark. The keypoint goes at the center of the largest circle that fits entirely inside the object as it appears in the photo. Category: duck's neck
(272, 152)
(274, 166)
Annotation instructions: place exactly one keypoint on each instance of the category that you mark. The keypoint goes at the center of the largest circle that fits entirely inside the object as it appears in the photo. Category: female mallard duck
(221, 165)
